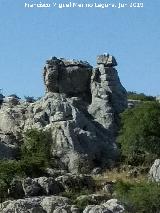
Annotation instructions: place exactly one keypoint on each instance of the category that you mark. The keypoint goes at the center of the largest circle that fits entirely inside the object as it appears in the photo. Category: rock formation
(80, 109)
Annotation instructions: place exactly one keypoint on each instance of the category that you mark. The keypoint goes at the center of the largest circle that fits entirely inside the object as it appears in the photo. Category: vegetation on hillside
(139, 143)
(140, 197)
(34, 158)
(139, 136)
(139, 96)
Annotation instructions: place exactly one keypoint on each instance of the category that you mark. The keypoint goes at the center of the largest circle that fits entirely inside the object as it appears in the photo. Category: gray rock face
(80, 109)
(154, 173)
(108, 95)
(69, 77)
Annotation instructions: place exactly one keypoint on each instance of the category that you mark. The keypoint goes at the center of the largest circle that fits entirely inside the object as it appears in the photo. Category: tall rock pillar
(108, 95)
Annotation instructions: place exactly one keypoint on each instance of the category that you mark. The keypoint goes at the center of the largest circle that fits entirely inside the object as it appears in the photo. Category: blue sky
(28, 37)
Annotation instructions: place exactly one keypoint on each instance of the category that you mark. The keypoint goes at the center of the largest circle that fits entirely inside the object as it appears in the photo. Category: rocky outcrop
(154, 173)
(35, 205)
(111, 206)
(29, 187)
(80, 109)
(56, 204)
(45, 195)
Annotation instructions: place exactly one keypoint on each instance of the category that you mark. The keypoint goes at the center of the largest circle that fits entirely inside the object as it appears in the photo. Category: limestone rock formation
(80, 109)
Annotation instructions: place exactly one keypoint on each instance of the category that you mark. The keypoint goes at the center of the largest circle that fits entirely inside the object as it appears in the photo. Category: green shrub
(36, 146)
(9, 169)
(139, 197)
(73, 194)
(139, 136)
(35, 152)
(3, 190)
(82, 203)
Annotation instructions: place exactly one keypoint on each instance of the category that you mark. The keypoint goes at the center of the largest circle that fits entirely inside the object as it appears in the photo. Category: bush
(9, 169)
(139, 197)
(73, 194)
(139, 136)
(3, 190)
(37, 146)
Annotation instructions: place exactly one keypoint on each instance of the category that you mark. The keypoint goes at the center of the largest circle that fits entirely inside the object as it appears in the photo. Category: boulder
(31, 187)
(96, 209)
(114, 206)
(50, 204)
(154, 173)
(67, 209)
(54, 172)
(49, 185)
(29, 205)
(111, 206)
(76, 182)
(107, 60)
(92, 199)
(96, 171)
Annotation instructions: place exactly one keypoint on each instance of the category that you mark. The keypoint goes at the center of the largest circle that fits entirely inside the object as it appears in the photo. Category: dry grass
(114, 176)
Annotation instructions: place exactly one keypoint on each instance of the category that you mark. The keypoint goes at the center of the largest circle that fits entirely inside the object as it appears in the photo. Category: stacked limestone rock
(80, 108)
(108, 95)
